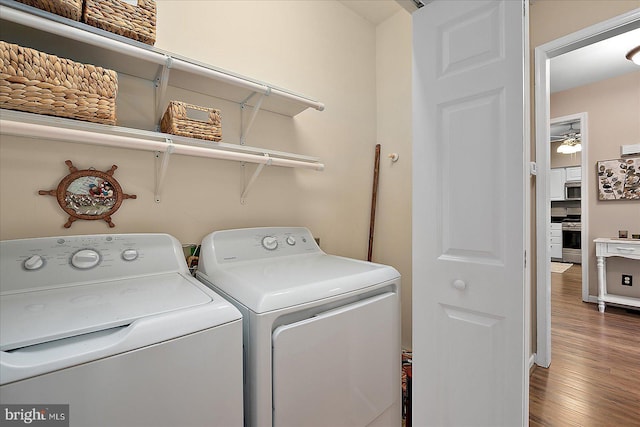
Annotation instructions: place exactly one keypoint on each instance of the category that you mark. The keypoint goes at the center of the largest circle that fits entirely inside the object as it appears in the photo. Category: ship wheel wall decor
(88, 194)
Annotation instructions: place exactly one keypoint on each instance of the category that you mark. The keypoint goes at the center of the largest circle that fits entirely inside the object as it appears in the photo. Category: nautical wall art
(88, 194)
(619, 179)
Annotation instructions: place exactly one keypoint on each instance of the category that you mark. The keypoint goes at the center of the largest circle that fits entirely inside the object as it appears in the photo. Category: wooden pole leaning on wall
(374, 199)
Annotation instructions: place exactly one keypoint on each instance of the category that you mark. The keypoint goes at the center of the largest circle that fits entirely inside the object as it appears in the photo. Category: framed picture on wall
(619, 179)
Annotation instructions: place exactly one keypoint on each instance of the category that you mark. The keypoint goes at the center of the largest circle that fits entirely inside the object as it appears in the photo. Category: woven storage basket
(71, 9)
(120, 17)
(45, 84)
(192, 121)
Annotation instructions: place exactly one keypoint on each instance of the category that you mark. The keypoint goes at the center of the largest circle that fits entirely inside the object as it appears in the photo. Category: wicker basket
(45, 84)
(71, 9)
(192, 121)
(121, 17)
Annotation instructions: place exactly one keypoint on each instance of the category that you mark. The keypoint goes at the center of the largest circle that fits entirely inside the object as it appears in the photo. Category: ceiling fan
(571, 141)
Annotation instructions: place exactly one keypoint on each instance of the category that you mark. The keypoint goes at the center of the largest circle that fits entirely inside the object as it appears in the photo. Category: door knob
(459, 284)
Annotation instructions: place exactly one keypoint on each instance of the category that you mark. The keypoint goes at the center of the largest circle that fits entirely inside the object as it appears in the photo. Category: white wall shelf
(60, 36)
(45, 127)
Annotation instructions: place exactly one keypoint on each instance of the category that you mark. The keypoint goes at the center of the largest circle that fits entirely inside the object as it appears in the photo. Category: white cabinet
(556, 240)
(557, 181)
(573, 174)
(560, 176)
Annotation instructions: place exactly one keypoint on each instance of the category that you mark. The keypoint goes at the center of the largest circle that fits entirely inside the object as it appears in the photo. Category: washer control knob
(130, 254)
(291, 240)
(34, 262)
(270, 243)
(85, 259)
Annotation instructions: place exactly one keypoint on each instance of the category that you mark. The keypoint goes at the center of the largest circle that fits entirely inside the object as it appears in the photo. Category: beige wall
(548, 21)
(613, 109)
(552, 19)
(285, 43)
(392, 244)
(317, 48)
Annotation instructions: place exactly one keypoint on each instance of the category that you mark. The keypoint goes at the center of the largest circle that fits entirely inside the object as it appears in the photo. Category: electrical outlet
(627, 280)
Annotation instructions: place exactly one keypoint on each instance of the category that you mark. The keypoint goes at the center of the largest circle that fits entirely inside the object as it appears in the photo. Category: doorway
(569, 200)
(543, 55)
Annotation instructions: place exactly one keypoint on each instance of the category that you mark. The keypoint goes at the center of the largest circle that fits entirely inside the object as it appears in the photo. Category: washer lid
(36, 317)
(272, 284)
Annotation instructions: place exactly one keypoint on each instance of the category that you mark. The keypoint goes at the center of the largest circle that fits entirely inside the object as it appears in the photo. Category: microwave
(573, 190)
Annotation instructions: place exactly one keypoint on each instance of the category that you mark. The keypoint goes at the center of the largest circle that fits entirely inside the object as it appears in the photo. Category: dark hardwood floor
(594, 377)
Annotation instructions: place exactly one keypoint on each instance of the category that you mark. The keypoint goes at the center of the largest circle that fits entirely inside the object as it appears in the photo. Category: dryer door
(341, 367)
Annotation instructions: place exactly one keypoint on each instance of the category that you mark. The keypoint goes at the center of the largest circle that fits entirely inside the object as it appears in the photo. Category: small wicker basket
(71, 9)
(40, 83)
(137, 22)
(192, 121)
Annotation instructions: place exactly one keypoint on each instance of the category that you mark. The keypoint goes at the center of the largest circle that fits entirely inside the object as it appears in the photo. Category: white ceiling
(561, 129)
(598, 61)
(595, 62)
(374, 11)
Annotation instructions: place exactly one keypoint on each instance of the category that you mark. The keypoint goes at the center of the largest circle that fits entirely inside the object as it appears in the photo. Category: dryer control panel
(65, 260)
(259, 243)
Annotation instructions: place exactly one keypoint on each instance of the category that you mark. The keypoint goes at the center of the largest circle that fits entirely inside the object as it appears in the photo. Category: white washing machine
(115, 327)
(321, 332)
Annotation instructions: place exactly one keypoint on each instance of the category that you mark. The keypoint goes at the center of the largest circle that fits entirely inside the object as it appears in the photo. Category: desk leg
(601, 283)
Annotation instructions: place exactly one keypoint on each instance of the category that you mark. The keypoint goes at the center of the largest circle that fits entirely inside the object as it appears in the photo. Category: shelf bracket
(161, 169)
(254, 177)
(256, 109)
(162, 80)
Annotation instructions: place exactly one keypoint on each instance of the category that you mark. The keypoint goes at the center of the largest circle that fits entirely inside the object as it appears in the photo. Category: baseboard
(532, 360)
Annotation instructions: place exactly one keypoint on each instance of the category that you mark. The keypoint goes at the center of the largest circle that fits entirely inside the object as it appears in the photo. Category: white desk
(625, 248)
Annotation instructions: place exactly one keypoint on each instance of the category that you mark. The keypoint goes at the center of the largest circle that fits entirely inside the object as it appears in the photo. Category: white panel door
(340, 368)
(470, 337)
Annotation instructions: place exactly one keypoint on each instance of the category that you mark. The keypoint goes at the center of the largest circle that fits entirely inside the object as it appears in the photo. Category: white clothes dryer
(115, 327)
(321, 332)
